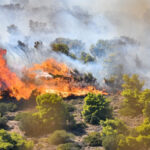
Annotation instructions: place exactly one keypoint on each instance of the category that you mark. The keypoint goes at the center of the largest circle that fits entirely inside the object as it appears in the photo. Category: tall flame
(10, 81)
(50, 76)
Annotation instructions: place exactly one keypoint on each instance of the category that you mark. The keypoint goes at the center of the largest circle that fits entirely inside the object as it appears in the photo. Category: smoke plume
(114, 32)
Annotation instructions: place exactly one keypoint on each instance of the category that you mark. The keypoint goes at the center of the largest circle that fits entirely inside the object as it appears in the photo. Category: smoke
(26, 21)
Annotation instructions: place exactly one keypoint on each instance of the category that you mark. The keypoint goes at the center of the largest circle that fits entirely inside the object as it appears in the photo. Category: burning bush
(50, 76)
(10, 81)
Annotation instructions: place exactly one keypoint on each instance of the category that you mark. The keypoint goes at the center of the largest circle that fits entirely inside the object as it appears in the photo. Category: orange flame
(50, 76)
(10, 81)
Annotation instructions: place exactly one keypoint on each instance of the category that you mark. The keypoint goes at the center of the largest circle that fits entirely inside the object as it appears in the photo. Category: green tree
(52, 114)
(132, 89)
(96, 108)
(60, 47)
(52, 111)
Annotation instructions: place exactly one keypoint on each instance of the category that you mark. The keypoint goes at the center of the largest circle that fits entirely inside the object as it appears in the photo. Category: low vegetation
(69, 146)
(60, 137)
(93, 139)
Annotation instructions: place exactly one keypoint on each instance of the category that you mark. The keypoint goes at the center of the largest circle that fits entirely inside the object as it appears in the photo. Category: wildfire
(50, 76)
(10, 81)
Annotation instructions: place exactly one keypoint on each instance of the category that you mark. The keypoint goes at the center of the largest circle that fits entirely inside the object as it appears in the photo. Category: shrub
(78, 128)
(69, 146)
(96, 108)
(60, 137)
(14, 142)
(93, 139)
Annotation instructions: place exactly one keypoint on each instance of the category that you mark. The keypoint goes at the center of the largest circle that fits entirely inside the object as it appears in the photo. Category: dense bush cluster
(13, 142)
(116, 135)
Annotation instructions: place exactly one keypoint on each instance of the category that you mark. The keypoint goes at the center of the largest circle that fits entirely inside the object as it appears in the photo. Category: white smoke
(29, 21)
